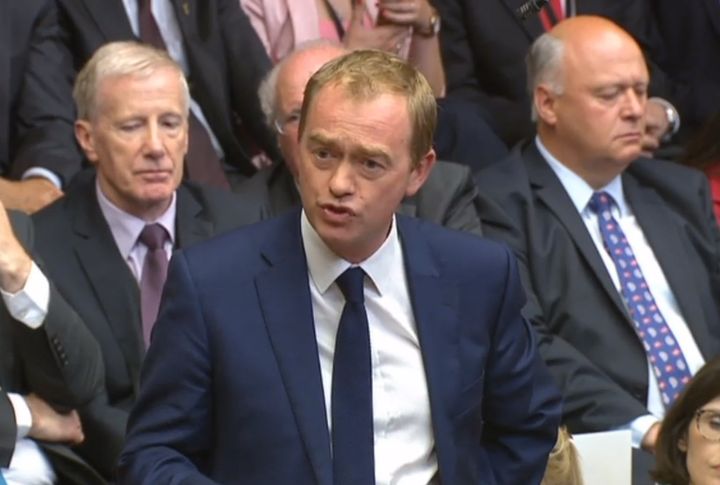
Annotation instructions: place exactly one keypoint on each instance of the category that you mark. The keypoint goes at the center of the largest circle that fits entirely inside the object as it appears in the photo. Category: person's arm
(45, 115)
(163, 441)
(255, 11)
(424, 51)
(521, 404)
(248, 62)
(8, 430)
(510, 118)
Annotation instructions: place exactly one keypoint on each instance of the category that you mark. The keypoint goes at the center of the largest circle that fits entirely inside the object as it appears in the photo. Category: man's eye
(129, 127)
(608, 95)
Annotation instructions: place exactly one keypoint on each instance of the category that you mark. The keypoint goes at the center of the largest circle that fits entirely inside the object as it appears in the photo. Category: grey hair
(544, 66)
(267, 91)
(117, 59)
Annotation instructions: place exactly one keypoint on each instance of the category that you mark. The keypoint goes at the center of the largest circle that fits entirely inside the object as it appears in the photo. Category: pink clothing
(713, 174)
(284, 24)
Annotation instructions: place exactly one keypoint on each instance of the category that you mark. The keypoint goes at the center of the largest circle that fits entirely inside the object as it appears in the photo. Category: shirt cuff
(639, 428)
(43, 173)
(30, 304)
(23, 416)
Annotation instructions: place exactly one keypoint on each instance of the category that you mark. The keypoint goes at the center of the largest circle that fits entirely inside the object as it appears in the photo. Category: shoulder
(242, 248)
(459, 254)
(225, 209)
(670, 179)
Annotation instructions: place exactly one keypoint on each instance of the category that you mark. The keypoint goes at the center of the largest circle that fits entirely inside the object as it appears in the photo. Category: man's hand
(15, 263)
(388, 37)
(656, 125)
(29, 195)
(48, 425)
(650, 439)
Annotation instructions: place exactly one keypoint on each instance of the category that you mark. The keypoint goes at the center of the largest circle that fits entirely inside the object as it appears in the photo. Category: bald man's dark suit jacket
(226, 61)
(81, 256)
(60, 361)
(484, 46)
(36, 107)
(448, 197)
(587, 335)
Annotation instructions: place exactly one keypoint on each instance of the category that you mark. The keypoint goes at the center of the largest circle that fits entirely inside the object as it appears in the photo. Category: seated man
(484, 45)
(622, 253)
(448, 197)
(217, 48)
(38, 154)
(258, 375)
(106, 244)
(50, 365)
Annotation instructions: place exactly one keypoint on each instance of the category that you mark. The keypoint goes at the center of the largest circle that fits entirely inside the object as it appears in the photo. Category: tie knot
(154, 236)
(351, 284)
(600, 202)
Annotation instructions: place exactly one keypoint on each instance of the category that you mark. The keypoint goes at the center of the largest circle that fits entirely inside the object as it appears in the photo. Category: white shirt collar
(325, 266)
(126, 228)
(577, 188)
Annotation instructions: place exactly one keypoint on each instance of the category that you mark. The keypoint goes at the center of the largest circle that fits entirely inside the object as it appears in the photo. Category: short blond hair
(117, 59)
(367, 74)
(563, 466)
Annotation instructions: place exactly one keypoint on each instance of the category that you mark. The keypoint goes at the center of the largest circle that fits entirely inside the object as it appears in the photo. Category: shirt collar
(577, 188)
(325, 266)
(126, 228)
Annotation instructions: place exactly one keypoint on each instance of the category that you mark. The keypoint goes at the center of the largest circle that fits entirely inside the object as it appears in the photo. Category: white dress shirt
(580, 193)
(28, 464)
(403, 434)
(126, 229)
(172, 36)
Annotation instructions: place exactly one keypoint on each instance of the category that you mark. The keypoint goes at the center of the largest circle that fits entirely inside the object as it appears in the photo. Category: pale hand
(387, 37)
(29, 195)
(49, 425)
(15, 263)
(656, 125)
(650, 439)
(416, 13)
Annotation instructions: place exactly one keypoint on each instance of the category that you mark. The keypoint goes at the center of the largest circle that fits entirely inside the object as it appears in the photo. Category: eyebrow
(368, 151)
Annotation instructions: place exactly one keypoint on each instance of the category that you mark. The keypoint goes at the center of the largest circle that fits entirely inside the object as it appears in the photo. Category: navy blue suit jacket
(231, 390)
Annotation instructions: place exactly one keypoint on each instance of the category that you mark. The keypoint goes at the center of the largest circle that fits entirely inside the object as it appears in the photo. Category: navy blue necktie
(663, 351)
(351, 400)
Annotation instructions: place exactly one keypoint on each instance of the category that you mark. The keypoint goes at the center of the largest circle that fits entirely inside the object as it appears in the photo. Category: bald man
(449, 197)
(623, 328)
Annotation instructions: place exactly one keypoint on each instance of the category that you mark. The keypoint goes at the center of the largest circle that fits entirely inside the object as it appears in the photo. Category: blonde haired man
(343, 344)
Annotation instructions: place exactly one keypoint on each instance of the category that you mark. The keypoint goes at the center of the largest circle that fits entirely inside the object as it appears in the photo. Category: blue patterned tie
(2, 480)
(663, 351)
(351, 401)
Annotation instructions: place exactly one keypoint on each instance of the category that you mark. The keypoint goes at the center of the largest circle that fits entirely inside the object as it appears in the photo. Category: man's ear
(86, 140)
(420, 173)
(545, 103)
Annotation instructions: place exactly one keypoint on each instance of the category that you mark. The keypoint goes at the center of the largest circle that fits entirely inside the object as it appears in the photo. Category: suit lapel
(551, 192)
(186, 15)
(434, 303)
(111, 279)
(659, 227)
(292, 333)
(531, 25)
(111, 19)
(190, 225)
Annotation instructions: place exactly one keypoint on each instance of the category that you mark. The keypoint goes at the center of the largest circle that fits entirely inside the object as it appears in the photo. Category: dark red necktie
(201, 162)
(552, 14)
